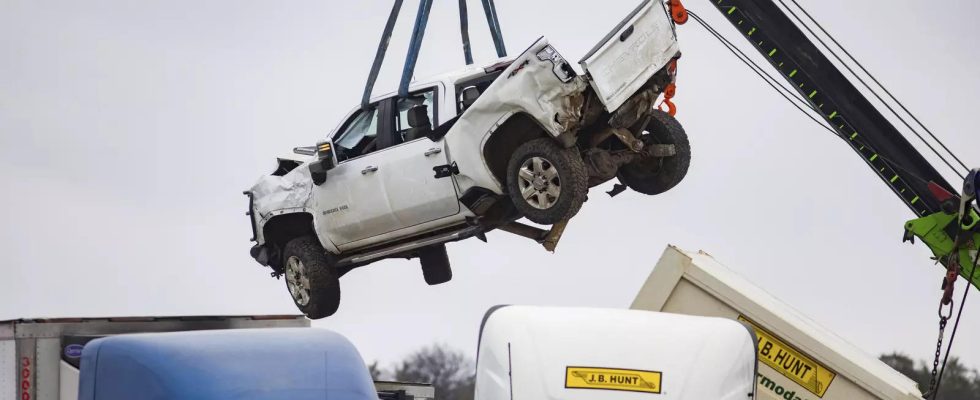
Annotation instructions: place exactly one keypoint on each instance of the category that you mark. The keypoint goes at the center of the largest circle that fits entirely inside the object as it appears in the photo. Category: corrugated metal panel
(25, 367)
(8, 370)
(47, 371)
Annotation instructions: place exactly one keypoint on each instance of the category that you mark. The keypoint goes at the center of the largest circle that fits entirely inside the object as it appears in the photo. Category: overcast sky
(128, 131)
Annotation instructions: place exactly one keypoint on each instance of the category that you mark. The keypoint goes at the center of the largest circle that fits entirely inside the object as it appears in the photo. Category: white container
(799, 360)
(549, 353)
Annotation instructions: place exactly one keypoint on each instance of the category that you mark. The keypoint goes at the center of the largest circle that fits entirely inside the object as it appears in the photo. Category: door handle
(368, 170)
(433, 151)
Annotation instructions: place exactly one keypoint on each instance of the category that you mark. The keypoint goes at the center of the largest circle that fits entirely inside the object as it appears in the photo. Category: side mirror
(305, 151)
(325, 161)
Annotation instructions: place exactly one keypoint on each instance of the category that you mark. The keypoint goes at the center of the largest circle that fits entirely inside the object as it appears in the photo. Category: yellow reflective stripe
(772, 53)
(792, 74)
(833, 114)
(854, 135)
(813, 94)
(915, 200)
(894, 178)
(751, 31)
(732, 11)
(874, 157)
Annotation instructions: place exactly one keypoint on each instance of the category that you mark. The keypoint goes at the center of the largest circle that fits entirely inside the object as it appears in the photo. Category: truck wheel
(656, 175)
(546, 182)
(435, 265)
(311, 277)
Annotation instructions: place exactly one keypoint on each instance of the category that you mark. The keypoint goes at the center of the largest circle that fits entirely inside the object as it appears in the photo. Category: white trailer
(39, 358)
(798, 359)
(552, 353)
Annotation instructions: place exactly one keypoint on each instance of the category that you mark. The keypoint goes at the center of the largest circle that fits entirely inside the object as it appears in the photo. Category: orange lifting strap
(671, 90)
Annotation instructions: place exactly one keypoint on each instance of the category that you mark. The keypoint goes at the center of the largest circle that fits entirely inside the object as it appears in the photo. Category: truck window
(359, 134)
(476, 85)
(404, 105)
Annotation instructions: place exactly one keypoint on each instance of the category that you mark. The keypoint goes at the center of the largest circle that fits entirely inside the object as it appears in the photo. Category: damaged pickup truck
(469, 152)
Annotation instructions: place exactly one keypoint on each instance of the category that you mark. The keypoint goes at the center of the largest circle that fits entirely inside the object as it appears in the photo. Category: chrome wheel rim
(539, 183)
(297, 282)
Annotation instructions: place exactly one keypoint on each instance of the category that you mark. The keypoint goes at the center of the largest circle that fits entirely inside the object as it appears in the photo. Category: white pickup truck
(468, 152)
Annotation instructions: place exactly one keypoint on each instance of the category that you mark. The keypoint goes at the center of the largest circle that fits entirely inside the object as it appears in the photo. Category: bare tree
(959, 382)
(448, 370)
(377, 373)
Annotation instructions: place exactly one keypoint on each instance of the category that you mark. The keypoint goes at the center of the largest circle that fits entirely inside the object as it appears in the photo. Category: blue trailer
(199, 357)
(248, 364)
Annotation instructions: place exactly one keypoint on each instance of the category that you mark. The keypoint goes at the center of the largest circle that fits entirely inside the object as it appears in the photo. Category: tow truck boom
(848, 111)
(946, 220)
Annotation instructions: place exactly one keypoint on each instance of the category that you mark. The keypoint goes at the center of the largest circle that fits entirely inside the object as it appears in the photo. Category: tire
(656, 175)
(547, 183)
(435, 265)
(311, 278)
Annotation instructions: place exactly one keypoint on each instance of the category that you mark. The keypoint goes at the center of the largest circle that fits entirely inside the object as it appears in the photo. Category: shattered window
(359, 134)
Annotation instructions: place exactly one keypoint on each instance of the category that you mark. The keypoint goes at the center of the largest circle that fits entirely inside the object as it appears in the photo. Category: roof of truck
(287, 363)
(469, 71)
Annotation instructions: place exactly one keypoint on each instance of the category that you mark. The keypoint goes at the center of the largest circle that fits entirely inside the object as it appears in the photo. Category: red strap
(669, 93)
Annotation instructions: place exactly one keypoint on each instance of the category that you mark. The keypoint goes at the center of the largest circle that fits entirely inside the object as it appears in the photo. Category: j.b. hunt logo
(629, 380)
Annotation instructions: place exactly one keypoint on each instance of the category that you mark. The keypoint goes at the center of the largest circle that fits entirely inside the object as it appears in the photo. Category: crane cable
(873, 78)
(873, 91)
(792, 97)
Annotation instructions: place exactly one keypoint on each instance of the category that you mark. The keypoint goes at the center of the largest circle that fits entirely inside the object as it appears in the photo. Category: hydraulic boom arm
(948, 224)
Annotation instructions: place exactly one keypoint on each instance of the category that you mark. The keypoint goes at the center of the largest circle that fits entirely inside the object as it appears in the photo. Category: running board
(360, 259)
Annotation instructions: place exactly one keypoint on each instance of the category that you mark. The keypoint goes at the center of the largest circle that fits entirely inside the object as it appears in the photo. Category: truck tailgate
(631, 54)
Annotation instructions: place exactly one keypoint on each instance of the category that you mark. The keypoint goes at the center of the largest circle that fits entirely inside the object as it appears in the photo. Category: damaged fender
(535, 84)
(278, 195)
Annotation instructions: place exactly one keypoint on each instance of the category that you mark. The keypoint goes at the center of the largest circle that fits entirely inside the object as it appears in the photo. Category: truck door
(351, 205)
(415, 195)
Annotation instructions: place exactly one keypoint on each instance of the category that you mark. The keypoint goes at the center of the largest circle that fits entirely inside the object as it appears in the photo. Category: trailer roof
(150, 319)
(288, 363)
(57, 327)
